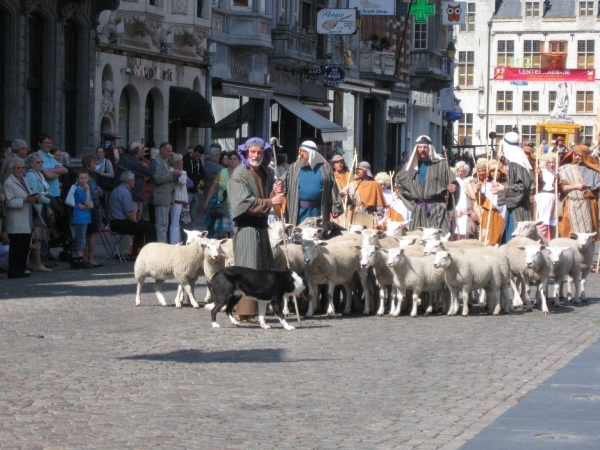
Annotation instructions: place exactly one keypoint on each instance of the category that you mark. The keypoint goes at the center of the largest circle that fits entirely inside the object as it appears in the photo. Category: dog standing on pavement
(230, 284)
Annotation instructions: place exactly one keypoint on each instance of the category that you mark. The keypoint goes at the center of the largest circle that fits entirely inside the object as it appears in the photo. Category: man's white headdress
(413, 162)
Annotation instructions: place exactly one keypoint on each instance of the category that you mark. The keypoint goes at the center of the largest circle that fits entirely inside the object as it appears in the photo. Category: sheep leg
(190, 291)
(313, 290)
(582, 294)
(277, 310)
(393, 299)
(262, 309)
(431, 297)
(362, 274)
(399, 300)
(493, 299)
(577, 283)
(527, 290)
(453, 309)
(178, 297)
(557, 282)
(465, 298)
(382, 298)
(158, 289)
(330, 305)
(505, 299)
(482, 297)
(415, 304)
(140, 283)
(517, 301)
(541, 287)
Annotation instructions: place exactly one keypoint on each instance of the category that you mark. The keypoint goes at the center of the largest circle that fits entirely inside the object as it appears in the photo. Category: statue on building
(108, 92)
(561, 107)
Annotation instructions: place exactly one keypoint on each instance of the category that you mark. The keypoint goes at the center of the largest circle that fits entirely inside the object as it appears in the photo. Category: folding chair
(115, 246)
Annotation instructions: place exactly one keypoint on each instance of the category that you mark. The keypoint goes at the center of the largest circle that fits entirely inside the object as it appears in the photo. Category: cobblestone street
(82, 367)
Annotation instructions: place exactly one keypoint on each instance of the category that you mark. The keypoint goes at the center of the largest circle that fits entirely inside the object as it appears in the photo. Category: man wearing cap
(310, 187)
(425, 184)
(579, 184)
(515, 192)
(560, 148)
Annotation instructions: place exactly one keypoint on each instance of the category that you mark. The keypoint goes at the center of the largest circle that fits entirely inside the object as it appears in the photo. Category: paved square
(82, 367)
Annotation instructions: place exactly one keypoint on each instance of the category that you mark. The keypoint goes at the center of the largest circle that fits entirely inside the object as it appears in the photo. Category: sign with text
(318, 73)
(336, 21)
(454, 13)
(518, 74)
(374, 8)
(334, 76)
(396, 111)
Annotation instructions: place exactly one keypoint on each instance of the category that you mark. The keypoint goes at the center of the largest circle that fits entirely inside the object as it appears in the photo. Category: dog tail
(209, 306)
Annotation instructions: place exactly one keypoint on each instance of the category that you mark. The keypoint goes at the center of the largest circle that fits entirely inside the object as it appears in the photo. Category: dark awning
(329, 131)
(189, 109)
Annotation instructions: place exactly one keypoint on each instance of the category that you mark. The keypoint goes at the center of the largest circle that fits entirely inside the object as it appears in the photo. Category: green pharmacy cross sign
(421, 9)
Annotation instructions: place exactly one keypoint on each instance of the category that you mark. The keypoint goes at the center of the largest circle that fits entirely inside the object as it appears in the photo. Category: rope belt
(309, 204)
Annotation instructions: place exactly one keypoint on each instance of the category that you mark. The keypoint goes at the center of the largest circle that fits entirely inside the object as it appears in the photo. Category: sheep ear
(405, 222)
(319, 230)
(420, 228)
(203, 234)
(593, 234)
(521, 247)
(542, 247)
(298, 230)
(573, 235)
(564, 249)
(358, 246)
(222, 241)
(322, 243)
(289, 226)
(376, 247)
(384, 250)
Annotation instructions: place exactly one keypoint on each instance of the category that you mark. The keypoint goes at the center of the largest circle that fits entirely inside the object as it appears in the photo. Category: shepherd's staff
(350, 172)
(280, 218)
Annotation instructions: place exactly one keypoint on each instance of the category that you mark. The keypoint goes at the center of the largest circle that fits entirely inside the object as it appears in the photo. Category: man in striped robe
(310, 187)
(425, 185)
(252, 192)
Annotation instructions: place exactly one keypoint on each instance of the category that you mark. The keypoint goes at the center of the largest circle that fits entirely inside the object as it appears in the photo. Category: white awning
(329, 131)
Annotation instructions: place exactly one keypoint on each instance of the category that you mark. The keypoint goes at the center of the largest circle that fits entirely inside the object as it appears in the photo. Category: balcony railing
(376, 62)
(294, 46)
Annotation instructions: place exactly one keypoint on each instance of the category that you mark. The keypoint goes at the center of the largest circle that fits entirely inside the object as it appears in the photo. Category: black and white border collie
(266, 286)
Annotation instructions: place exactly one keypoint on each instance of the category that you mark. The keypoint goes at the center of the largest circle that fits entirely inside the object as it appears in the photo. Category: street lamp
(451, 50)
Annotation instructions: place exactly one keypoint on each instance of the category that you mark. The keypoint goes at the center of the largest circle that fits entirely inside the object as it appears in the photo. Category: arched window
(35, 79)
(149, 119)
(3, 105)
(70, 87)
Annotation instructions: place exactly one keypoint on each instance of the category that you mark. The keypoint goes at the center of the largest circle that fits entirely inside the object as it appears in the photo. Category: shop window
(466, 68)
(551, 100)
(470, 22)
(149, 120)
(587, 135)
(504, 101)
(465, 129)
(531, 51)
(585, 101)
(532, 9)
(420, 36)
(586, 9)
(528, 134)
(506, 52)
(585, 54)
(531, 101)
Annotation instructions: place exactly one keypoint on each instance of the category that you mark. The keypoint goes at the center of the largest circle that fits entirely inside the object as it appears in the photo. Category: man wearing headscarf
(579, 184)
(425, 184)
(310, 187)
(515, 192)
(252, 192)
(364, 192)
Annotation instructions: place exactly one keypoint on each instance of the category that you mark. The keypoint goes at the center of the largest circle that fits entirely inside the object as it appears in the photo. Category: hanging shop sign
(336, 21)
(454, 13)
(334, 76)
(317, 73)
(519, 74)
(455, 114)
(374, 8)
(396, 111)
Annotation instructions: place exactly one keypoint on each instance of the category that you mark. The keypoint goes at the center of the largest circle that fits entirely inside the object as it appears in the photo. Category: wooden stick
(352, 168)
(487, 233)
(556, 197)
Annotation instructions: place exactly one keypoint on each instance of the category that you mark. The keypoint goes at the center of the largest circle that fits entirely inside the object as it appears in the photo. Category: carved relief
(108, 102)
(144, 25)
(179, 7)
(179, 72)
(217, 22)
(192, 36)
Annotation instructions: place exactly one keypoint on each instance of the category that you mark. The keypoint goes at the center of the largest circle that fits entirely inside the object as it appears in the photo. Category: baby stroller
(60, 233)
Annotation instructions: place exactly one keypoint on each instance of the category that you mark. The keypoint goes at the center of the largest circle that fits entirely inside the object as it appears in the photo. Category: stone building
(525, 35)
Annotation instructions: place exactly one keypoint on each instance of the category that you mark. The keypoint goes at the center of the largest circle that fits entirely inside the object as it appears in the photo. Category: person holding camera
(38, 185)
(19, 218)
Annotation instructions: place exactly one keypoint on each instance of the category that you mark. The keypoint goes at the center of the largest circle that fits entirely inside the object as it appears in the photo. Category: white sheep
(166, 262)
(432, 247)
(470, 271)
(528, 229)
(332, 263)
(395, 229)
(215, 259)
(565, 261)
(584, 244)
(528, 262)
(379, 238)
(415, 273)
(371, 256)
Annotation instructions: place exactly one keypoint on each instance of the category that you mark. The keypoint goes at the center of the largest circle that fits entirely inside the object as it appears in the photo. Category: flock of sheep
(394, 263)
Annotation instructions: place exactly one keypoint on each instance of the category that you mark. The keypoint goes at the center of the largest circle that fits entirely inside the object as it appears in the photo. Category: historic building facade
(522, 35)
